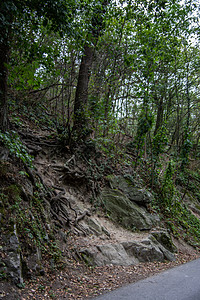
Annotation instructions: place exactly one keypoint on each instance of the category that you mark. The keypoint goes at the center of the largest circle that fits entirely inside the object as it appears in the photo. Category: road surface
(179, 283)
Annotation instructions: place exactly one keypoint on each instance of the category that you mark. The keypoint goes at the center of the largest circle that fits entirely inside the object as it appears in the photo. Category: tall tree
(7, 9)
(81, 97)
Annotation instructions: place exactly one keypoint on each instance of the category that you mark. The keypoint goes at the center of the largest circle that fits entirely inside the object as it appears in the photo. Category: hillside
(56, 224)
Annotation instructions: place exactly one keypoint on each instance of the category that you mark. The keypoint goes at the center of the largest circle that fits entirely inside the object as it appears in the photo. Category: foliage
(145, 123)
(13, 143)
(170, 204)
(186, 148)
(30, 221)
(160, 141)
(137, 59)
(184, 223)
(168, 188)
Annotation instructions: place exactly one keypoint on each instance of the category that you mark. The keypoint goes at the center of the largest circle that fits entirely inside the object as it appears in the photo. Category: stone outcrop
(11, 265)
(125, 212)
(107, 254)
(126, 203)
(128, 187)
(128, 252)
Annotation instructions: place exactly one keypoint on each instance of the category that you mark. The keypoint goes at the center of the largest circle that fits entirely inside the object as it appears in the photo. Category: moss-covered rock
(123, 211)
(165, 240)
(129, 187)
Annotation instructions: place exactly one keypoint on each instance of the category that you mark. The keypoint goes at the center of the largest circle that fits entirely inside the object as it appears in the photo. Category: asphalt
(179, 283)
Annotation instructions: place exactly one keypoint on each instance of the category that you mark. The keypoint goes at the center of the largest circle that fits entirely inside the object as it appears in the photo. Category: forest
(107, 87)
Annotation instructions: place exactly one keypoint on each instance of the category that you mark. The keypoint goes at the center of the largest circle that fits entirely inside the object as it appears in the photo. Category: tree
(7, 9)
(81, 97)
(58, 13)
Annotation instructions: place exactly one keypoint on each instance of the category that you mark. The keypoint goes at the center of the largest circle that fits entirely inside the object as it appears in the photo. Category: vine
(12, 141)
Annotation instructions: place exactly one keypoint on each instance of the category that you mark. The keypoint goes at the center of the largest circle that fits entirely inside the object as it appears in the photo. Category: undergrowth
(30, 219)
(12, 142)
(170, 201)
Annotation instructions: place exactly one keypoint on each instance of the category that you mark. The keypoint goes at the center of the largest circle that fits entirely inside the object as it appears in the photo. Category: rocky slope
(65, 202)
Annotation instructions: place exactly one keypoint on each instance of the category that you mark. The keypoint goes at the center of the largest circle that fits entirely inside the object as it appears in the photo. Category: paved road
(180, 283)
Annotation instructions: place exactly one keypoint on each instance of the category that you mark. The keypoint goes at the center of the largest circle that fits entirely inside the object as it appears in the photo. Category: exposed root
(82, 216)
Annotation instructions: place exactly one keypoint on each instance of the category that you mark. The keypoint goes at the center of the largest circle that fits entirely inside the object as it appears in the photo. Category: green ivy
(145, 124)
(168, 188)
(12, 141)
(160, 141)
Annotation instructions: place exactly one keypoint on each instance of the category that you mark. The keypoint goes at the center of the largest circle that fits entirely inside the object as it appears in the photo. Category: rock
(102, 255)
(116, 255)
(140, 196)
(164, 239)
(149, 250)
(144, 251)
(91, 256)
(125, 212)
(95, 226)
(34, 262)
(126, 186)
(126, 253)
(13, 259)
(106, 231)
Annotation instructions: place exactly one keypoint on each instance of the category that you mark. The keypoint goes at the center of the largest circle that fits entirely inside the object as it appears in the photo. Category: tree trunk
(159, 120)
(4, 54)
(6, 21)
(81, 97)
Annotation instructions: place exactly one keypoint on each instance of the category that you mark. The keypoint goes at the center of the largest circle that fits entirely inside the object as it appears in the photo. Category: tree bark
(81, 97)
(4, 54)
(6, 21)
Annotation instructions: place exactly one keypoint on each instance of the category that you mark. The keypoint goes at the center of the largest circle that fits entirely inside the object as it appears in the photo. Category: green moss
(125, 212)
(87, 259)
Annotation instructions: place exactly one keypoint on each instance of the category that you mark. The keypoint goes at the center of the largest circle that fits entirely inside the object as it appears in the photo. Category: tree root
(82, 216)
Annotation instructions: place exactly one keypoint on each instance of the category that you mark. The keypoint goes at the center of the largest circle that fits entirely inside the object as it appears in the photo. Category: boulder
(144, 251)
(123, 211)
(128, 187)
(107, 254)
(116, 255)
(126, 253)
(164, 238)
(13, 257)
(148, 250)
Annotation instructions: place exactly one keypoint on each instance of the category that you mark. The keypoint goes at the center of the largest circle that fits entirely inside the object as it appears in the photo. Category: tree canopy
(104, 67)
